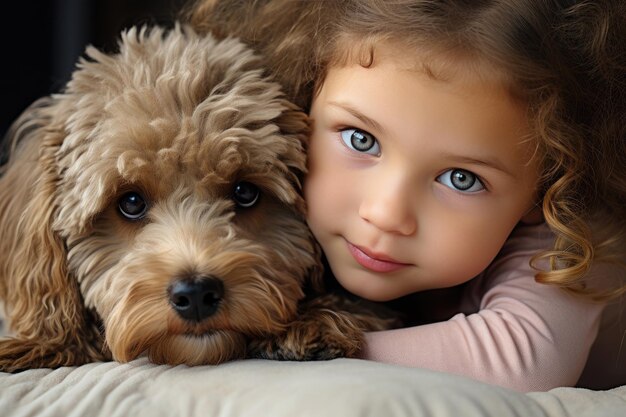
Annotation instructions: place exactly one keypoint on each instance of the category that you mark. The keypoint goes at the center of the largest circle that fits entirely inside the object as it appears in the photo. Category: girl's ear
(51, 325)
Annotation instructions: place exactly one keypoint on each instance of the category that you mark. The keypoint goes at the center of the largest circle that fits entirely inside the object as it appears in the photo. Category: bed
(256, 388)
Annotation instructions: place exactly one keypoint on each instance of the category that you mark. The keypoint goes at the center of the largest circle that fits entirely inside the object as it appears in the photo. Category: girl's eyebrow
(368, 121)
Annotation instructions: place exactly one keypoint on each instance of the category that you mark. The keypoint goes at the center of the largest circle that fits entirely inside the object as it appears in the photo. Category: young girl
(471, 151)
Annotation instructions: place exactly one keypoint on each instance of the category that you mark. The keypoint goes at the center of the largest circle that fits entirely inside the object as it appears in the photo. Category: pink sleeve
(525, 336)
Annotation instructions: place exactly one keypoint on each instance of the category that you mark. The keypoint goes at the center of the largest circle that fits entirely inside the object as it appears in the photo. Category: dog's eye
(132, 206)
(246, 194)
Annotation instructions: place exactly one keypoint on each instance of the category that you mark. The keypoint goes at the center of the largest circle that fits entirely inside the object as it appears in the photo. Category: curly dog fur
(141, 177)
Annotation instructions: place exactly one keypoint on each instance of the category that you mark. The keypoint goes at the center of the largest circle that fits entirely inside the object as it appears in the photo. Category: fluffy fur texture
(180, 122)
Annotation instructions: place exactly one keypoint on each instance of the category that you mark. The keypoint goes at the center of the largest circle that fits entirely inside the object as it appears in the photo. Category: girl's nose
(389, 206)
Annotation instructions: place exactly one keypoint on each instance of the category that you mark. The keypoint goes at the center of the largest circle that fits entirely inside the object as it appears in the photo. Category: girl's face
(415, 183)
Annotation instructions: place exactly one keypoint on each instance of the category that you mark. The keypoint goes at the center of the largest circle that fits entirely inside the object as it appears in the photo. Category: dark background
(42, 40)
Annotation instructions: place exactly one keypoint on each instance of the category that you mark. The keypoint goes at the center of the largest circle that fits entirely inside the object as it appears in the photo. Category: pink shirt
(511, 331)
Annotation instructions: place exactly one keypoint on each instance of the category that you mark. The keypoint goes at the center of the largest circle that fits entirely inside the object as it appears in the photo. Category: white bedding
(256, 388)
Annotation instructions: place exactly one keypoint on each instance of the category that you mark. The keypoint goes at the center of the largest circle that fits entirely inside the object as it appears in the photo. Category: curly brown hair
(565, 59)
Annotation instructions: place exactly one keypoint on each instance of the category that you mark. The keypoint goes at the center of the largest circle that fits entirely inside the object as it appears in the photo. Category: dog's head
(169, 181)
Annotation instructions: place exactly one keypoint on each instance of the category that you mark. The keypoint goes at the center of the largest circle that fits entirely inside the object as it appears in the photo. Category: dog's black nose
(197, 298)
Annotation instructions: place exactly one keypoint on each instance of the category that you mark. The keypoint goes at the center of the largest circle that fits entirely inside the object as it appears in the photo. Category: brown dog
(154, 207)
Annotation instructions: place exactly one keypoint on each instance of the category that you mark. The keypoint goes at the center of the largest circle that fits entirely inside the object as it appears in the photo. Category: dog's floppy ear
(51, 325)
(295, 123)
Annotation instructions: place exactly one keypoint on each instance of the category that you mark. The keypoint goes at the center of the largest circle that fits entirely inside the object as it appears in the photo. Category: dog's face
(177, 198)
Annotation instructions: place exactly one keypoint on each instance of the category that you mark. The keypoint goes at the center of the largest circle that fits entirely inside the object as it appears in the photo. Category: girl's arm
(525, 336)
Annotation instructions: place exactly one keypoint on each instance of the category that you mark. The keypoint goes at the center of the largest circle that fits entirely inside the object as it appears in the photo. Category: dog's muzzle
(196, 298)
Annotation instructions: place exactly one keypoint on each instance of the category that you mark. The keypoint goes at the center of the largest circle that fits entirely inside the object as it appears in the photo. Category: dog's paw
(327, 327)
(320, 336)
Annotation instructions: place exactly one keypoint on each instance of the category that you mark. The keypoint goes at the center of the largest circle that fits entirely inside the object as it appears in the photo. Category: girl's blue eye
(360, 141)
(461, 180)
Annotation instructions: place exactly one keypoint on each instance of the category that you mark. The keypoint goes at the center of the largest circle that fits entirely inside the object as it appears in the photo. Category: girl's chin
(370, 287)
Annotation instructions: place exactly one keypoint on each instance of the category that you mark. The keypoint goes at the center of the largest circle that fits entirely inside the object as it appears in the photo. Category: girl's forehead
(435, 61)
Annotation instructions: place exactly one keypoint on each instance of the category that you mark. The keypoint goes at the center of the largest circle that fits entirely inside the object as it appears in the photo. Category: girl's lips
(376, 264)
